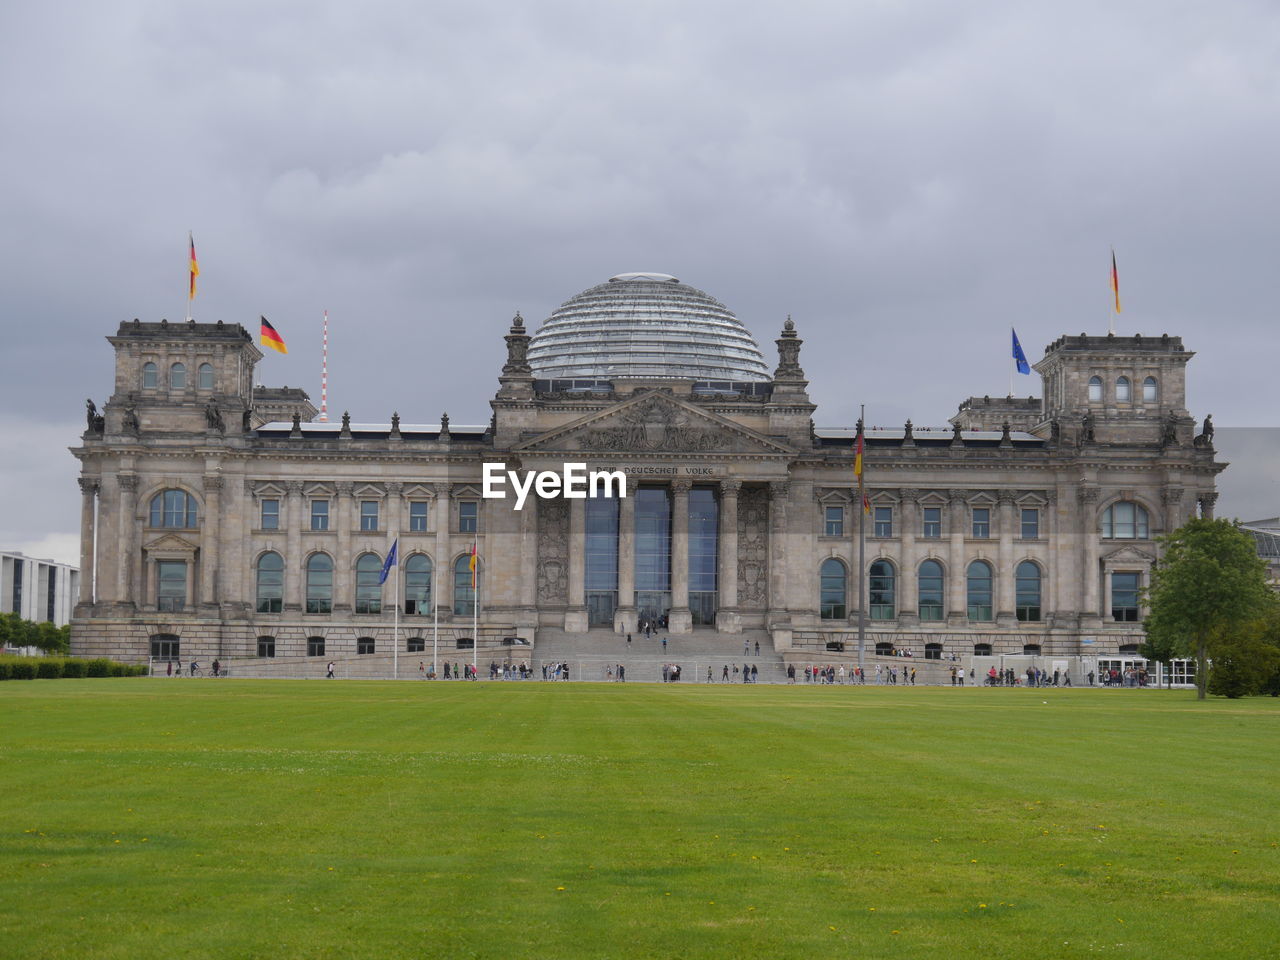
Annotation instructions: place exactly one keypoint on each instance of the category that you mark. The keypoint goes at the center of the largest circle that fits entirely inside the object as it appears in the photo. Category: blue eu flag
(389, 562)
(1018, 355)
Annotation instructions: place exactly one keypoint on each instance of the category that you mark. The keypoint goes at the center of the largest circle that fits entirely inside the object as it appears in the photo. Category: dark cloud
(908, 181)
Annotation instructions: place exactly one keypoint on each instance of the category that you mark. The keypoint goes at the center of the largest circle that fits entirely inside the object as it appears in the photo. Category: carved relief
(653, 425)
(553, 551)
(753, 547)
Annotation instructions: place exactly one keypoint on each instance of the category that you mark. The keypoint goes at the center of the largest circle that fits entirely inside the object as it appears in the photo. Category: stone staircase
(591, 655)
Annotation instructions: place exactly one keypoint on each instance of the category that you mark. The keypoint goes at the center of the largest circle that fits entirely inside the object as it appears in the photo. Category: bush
(6, 670)
(139, 670)
(23, 670)
(49, 669)
(73, 668)
(98, 668)
(119, 670)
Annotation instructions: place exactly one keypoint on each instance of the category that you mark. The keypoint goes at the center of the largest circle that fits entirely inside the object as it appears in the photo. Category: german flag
(1115, 280)
(272, 339)
(193, 265)
(473, 565)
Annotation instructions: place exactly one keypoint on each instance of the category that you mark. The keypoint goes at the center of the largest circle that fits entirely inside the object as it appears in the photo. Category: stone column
(127, 539)
(344, 562)
(575, 615)
(907, 586)
(209, 541)
(626, 617)
(1207, 503)
(1090, 605)
(293, 559)
(779, 491)
(679, 619)
(396, 579)
(528, 591)
(728, 619)
(1004, 602)
(88, 498)
(957, 585)
(442, 569)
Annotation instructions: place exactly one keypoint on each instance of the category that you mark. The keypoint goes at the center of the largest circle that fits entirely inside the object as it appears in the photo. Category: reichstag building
(223, 520)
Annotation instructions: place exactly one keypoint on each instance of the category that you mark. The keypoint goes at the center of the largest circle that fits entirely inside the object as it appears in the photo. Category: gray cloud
(908, 181)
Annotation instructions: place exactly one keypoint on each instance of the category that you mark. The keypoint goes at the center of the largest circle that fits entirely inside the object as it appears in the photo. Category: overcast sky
(907, 180)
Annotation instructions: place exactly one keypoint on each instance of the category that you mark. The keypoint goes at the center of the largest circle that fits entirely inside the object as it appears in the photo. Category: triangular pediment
(655, 423)
(171, 543)
(1128, 554)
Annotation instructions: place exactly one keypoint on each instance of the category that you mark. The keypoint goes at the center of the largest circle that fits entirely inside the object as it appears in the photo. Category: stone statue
(955, 433)
(213, 417)
(1169, 436)
(1086, 428)
(246, 420)
(1055, 431)
(1207, 430)
(129, 422)
(91, 412)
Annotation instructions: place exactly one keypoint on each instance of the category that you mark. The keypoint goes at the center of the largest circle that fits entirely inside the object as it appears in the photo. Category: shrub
(23, 670)
(6, 670)
(119, 670)
(49, 669)
(98, 668)
(139, 670)
(73, 668)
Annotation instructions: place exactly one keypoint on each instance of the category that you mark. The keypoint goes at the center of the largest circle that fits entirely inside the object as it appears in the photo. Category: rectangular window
(165, 646)
(1030, 524)
(981, 523)
(171, 585)
(415, 645)
(932, 523)
(1124, 596)
(368, 514)
(51, 596)
(834, 524)
(364, 646)
(266, 646)
(884, 522)
(319, 514)
(270, 515)
(418, 512)
(315, 646)
(468, 513)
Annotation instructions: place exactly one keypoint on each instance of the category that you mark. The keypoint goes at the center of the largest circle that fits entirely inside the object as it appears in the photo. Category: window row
(979, 592)
(1124, 390)
(1123, 520)
(417, 576)
(365, 646)
(177, 376)
(370, 515)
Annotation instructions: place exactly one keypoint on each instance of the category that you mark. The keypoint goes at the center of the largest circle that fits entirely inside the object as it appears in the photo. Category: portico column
(443, 569)
(293, 561)
(343, 574)
(957, 588)
(625, 619)
(908, 612)
(727, 618)
(575, 616)
(1090, 575)
(1004, 601)
(393, 534)
(209, 540)
(679, 619)
(1207, 503)
(779, 491)
(88, 498)
(125, 548)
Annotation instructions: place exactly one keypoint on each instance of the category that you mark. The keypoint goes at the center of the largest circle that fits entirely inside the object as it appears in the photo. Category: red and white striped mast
(324, 373)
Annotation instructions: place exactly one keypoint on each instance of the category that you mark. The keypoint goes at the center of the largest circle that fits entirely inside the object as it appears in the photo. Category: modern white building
(38, 590)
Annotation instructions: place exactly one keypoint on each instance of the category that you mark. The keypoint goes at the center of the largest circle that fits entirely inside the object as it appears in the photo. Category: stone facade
(189, 498)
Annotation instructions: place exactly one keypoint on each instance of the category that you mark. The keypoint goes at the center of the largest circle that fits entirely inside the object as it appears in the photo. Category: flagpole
(395, 629)
(475, 618)
(435, 630)
(862, 545)
(191, 249)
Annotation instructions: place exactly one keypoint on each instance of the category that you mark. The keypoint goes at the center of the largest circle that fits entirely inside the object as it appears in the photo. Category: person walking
(664, 644)
(753, 673)
(628, 641)
(757, 648)
(328, 671)
(724, 677)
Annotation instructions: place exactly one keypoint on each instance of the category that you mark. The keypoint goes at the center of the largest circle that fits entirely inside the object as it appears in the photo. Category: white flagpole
(435, 628)
(475, 613)
(395, 629)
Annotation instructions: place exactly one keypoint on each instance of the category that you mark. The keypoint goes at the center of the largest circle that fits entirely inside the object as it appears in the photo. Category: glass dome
(645, 325)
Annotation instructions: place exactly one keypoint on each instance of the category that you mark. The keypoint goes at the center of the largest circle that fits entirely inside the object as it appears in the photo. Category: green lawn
(283, 819)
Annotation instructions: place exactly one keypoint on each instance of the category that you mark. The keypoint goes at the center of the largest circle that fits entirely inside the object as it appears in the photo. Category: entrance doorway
(601, 605)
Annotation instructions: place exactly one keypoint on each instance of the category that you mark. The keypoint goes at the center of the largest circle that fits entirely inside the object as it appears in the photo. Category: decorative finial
(517, 322)
(444, 426)
(789, 326)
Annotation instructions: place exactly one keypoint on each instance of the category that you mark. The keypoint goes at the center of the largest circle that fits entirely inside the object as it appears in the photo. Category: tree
(1246, 659)
(1209, 584)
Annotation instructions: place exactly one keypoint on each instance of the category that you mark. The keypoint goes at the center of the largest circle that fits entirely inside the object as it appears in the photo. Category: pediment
(418, 491)
(171, 544)
(369, 491)
(1128, 554)
(268, 489)
(835, 495)
(655, 423)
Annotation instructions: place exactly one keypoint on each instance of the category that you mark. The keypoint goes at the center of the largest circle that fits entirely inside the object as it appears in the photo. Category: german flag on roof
(272, 339)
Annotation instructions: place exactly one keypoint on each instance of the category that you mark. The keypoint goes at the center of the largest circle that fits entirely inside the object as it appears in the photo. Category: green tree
(1244, 660)
(1209, 584)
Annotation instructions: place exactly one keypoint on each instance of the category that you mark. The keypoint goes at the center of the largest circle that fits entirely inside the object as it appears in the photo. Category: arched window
(1027, 582)
(1095, 389)
(832, 602)
(1122, 389)
(464, 589)
(1150, 390)
(178, 376)
(150, 375)
(206, 376)
(368, 588)
(930, 590)
(270, 583)
(417, 584)
(883, 600)
(319, 583)
(173, 508)
(979, 580)
(982, 649)
(1124, 520)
